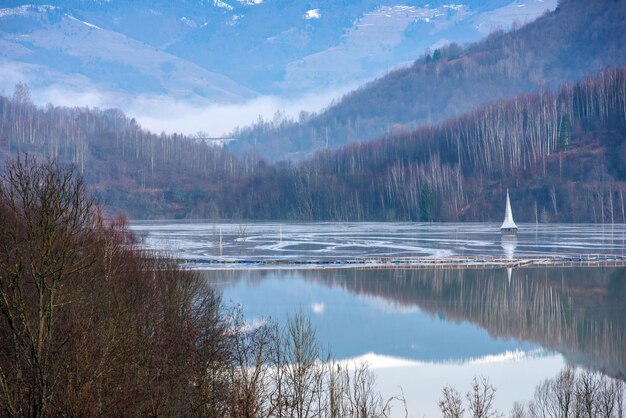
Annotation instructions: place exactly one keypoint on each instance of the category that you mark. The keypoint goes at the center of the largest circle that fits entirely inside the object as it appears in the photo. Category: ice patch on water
(200, 245)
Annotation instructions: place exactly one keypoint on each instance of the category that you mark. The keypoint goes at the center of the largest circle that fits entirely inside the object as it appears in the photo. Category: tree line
(128, 168)
(572, 393)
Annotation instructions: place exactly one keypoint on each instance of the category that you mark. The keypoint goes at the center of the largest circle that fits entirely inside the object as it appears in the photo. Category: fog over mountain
(211, 65)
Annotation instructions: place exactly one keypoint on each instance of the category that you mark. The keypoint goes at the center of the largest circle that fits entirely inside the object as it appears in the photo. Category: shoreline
(425, 262)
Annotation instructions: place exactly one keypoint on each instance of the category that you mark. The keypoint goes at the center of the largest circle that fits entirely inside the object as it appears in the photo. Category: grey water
(200, 243)
(422, 329)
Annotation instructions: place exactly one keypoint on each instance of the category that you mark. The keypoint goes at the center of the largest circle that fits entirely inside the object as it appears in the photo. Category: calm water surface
(423, 329)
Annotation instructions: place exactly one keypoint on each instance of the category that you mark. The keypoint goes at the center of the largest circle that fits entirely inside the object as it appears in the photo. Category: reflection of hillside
(579, 312)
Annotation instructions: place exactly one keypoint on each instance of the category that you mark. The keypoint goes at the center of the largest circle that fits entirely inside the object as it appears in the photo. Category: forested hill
(128, 168)
(578, 38)
(562, 154)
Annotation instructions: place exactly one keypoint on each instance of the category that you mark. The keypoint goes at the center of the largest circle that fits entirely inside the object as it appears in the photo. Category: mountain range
(230, 51)
(562, 46)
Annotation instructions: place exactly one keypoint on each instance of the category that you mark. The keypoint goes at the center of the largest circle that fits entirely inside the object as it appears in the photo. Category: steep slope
(392, 36)
(40, 39)
(577, 38)
(286, 46)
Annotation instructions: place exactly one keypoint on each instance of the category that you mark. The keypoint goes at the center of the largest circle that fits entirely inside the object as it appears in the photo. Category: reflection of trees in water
(576, 311)
(579, 312)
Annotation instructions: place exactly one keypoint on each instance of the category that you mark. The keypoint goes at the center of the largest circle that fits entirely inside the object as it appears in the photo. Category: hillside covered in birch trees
(561, 153)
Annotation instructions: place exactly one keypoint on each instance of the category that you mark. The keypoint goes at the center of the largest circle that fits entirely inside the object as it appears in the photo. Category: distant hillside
(579, 37)
(128, 168)
(57, 46)
(293, 46)
(562, 155)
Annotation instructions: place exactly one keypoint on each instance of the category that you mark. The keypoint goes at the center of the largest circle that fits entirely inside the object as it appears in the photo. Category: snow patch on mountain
(223, 5)
(249, 2)
(89, 25)
(25, 10)
(370, 42)
(188, 22)
(312, 14)
(522, 12)
(233, 20)
(453, 6)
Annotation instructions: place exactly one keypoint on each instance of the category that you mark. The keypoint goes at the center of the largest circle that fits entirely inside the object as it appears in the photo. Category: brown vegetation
(562, 154)
(92, 326)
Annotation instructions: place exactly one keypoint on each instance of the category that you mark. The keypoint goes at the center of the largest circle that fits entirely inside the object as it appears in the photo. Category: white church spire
(508, 226)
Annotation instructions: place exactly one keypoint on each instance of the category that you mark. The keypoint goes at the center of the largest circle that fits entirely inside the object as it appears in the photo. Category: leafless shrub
(282, 372)
(517, 411)
(582, 394)
(451, 404)
(480, 399)
(250, 369)
(354, 394)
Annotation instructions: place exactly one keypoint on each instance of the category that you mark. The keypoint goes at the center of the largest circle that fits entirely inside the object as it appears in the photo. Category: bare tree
(517, 410)
(586, 392)
(481, 398)
(451, 404)
(46, 226)
(250, 370)
(302, 371)
(583, 394)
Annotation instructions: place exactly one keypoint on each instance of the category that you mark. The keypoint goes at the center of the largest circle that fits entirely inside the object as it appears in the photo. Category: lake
(421, 329)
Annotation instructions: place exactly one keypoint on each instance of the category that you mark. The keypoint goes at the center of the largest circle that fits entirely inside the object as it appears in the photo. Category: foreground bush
(90, 325)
